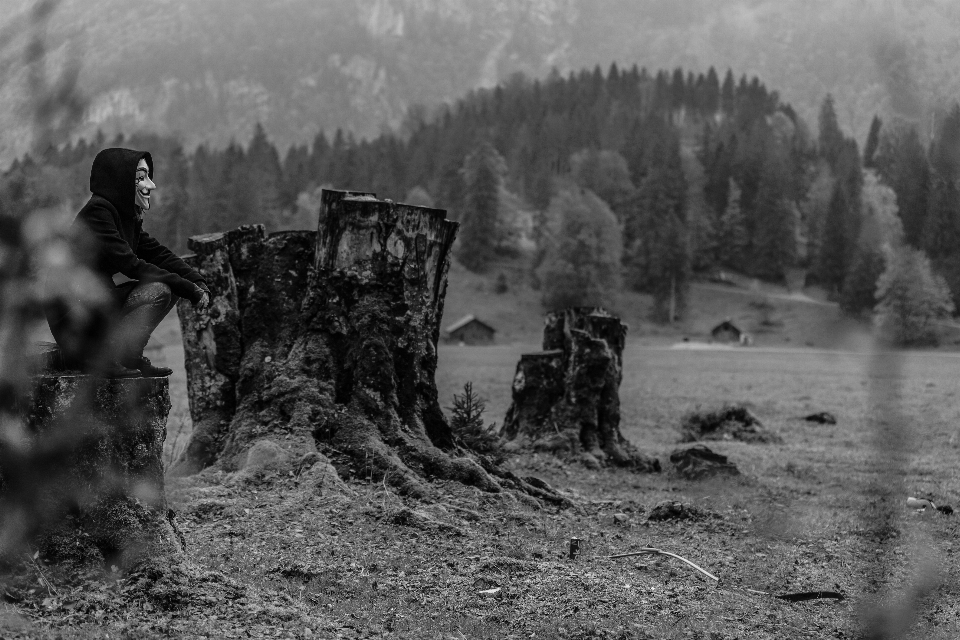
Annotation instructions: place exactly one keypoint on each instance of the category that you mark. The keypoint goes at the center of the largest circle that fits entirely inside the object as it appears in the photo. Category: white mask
(144, 185)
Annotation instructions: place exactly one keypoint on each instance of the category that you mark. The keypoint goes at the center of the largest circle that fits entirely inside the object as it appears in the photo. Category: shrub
(912, 299)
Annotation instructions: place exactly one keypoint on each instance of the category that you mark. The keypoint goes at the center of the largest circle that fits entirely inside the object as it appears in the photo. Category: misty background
(209, 70)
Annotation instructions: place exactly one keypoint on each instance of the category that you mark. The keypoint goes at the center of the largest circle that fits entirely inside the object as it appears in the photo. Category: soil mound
(732, 422)
(698, 462)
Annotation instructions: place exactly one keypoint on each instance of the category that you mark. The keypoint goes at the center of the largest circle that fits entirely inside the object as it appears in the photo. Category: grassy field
(825, 510)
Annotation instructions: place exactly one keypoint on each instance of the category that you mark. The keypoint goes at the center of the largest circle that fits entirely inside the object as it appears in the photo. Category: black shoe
(117, 370)
(146, 369)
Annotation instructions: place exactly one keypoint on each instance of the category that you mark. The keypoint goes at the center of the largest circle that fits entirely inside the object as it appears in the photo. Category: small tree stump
(87, 486)
(328, 340)
(566, 398)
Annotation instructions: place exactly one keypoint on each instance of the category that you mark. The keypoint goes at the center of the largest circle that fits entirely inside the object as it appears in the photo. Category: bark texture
(566, 398)
(93, 494)
(331, 344)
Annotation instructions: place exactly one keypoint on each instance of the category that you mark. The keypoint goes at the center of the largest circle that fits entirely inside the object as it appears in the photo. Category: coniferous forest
(607, 180)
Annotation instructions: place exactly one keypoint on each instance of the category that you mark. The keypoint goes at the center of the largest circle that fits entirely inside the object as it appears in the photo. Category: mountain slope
(209, 69)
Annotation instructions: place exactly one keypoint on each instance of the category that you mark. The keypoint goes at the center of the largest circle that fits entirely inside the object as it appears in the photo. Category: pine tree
(175, 203)
(873, 142)
(836, 241)
(859, 293)
(482, 172)
(657, 255)
(731, 233)
(711, 95)
(202, 175)
(774, 246)
(728, 97)
(466, 422)
(830, 140)
(941, 233)
(265, 175)
(902, 163)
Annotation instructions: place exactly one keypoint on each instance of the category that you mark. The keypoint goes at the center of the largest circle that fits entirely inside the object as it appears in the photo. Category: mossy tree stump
(566, 399)
(86, 487)
(327, 341)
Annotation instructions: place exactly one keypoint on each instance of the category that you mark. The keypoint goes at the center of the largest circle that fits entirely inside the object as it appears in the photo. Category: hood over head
(114, 177)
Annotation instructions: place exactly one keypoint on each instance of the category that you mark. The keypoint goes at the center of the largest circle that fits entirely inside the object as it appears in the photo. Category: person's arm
(155, 253)
(118, 256)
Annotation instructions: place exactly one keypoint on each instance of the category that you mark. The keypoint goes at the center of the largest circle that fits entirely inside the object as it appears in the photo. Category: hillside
(770, 313)
(209, 69)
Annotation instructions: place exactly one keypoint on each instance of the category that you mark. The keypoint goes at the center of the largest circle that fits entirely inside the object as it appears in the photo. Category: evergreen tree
(711, 93)
(297, 174)
(836, 241)
(482, 173)
(731, 233)
(174, 202)
(859, 293)
(873, 142)
(881, 234)
(830, 141)
(774, 246)
(902, 163)
(202, 175)
(728, 98)
(657, 253)
(263, 171)
(941, 233)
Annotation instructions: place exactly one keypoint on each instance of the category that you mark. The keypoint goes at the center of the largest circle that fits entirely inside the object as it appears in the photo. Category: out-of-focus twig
(790, 597)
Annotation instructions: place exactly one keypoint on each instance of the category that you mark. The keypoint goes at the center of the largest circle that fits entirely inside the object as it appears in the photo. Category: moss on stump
(90, 490)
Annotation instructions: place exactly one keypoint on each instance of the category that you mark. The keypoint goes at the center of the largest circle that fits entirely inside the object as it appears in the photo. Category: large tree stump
(87, 486)
(566, 398)
(328, 341)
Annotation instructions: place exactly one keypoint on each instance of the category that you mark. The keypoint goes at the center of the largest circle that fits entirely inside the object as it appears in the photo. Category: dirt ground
(823, 511)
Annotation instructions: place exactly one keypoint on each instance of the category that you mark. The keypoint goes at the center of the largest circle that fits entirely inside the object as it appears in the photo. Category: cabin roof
(467, 319)
(726, 325)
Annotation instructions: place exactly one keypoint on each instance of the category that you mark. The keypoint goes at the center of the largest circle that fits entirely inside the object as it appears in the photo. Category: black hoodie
(120, 245)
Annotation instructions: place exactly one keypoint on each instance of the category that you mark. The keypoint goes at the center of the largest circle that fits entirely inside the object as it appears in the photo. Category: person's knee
(159, 294)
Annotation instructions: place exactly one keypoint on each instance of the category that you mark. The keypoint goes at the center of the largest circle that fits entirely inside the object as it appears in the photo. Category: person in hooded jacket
(110, 228)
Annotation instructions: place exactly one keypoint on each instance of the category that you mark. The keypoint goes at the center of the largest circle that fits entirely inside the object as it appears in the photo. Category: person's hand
(204, 302)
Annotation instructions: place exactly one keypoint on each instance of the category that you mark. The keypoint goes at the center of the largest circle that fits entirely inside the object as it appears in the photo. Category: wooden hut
(726, 331)
(470, 330)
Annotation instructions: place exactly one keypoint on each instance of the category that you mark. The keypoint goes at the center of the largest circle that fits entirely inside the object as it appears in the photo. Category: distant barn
(470, 330)
(726, 331)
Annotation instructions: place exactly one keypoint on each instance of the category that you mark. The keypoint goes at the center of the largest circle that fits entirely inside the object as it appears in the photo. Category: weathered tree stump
(327, 341)
(87, 486)
(566, 398)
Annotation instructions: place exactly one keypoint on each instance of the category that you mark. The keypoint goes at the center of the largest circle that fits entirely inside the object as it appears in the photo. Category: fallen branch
(43, 579)
(789, 597)
(646, 550)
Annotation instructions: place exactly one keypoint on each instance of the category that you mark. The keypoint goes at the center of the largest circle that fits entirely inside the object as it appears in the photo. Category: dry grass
(824, 510)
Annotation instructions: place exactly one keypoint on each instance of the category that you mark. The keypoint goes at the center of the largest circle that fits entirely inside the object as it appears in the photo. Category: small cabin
(726, 331)
(470, 330)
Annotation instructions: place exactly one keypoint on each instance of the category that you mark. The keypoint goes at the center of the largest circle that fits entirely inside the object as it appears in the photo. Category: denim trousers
(138, 309)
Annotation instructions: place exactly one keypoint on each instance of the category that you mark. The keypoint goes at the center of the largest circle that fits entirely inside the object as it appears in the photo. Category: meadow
(825, 510)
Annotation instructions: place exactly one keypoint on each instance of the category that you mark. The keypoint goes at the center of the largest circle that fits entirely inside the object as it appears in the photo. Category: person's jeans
(143, 306)
(139, 308)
